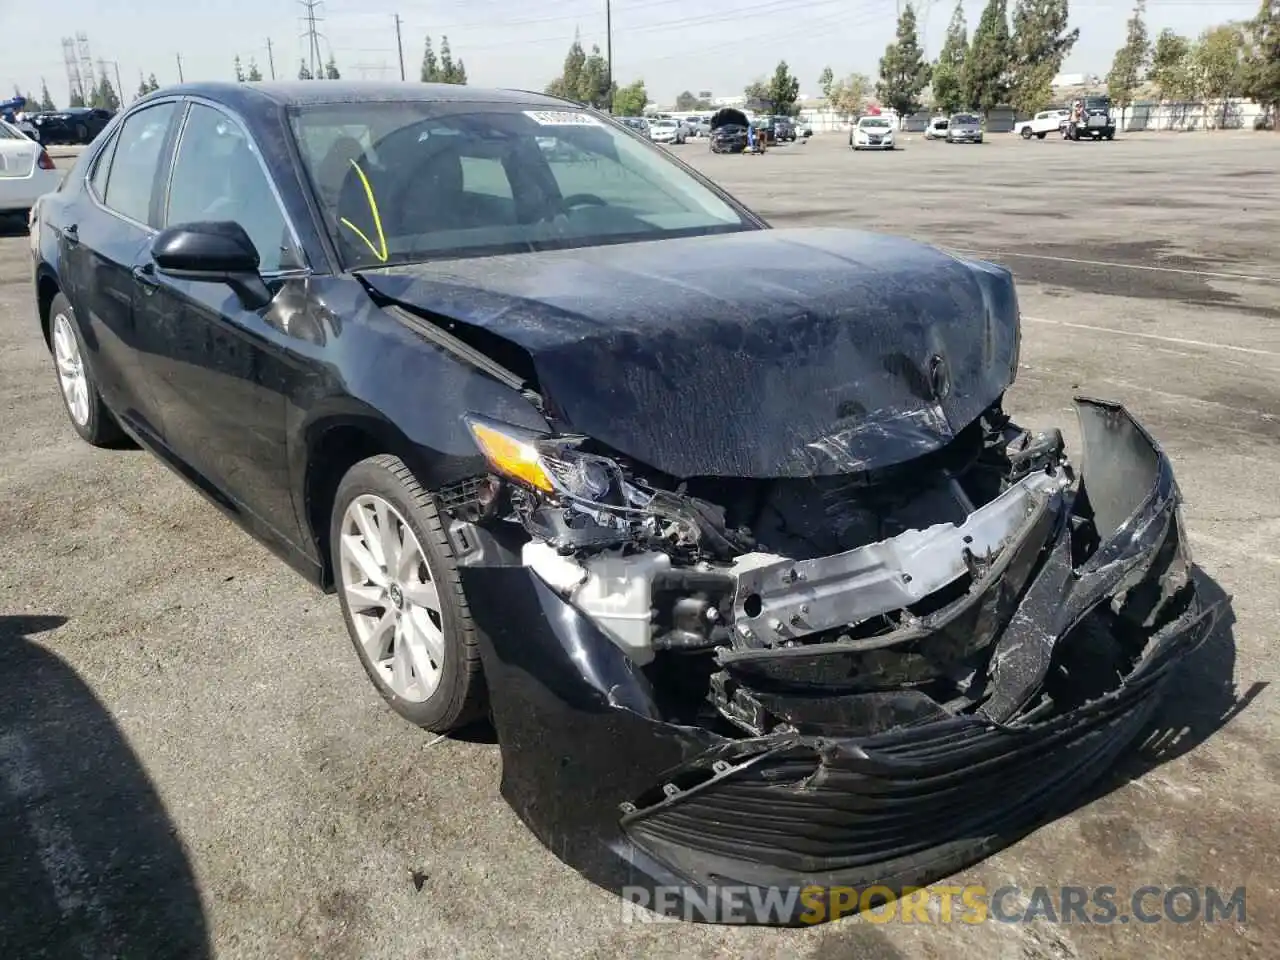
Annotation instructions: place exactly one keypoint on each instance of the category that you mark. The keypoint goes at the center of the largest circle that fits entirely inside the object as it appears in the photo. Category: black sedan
(73, 125)
(728, 129)
(757, 581)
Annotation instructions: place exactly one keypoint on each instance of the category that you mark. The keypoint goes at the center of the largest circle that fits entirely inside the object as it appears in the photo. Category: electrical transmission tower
(87, 77)
(312, 35)
(75, 82)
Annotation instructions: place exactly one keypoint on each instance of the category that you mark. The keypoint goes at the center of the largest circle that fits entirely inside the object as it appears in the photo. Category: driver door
(221, 372)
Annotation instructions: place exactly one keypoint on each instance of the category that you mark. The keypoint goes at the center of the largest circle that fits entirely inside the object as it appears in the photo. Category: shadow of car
(90, 863)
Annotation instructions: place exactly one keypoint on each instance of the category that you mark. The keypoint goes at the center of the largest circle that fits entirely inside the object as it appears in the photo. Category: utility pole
(271, 59)
(608, 50)
(180, 79)
(399, 47)
(119, 85)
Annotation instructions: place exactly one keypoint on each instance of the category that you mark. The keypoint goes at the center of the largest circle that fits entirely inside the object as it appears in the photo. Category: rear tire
(1039, 136)
(446, 690)
(1026, 133)
(77, 385)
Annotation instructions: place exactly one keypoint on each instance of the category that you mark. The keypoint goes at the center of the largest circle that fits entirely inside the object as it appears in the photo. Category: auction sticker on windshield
(561, 118)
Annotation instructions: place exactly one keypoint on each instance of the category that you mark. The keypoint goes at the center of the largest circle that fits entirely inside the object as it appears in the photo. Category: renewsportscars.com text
(970, 904)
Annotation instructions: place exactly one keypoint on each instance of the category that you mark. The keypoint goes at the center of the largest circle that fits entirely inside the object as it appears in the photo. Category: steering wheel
(582, 200)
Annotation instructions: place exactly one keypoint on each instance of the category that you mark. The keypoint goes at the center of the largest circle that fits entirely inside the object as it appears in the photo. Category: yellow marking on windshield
(380, 251)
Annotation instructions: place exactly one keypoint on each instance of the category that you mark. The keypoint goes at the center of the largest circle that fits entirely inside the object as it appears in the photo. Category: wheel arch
(332, 446)
(47, 287)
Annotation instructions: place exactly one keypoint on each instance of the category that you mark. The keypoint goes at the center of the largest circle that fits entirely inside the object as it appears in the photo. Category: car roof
(317, 92)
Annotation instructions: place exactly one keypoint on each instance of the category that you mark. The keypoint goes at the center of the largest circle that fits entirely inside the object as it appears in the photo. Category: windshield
(964, 118)
(873, 122)
(405, 181)
(663, 124)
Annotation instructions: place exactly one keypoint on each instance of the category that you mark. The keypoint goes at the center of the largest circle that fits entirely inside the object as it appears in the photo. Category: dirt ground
(191, 760)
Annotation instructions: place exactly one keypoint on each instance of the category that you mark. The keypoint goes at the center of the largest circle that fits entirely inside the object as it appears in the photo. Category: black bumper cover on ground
(629, 799)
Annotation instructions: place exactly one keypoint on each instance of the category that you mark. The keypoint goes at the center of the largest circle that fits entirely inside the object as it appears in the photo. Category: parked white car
(1044, 122)
(937, 129)
(666, 131)
(872, 133)
(26, 171)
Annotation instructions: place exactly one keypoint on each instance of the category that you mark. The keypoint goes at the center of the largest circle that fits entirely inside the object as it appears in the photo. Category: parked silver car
(964, 128)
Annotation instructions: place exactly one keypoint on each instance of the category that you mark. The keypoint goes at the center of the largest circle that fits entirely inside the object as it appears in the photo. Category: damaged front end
(870, 679)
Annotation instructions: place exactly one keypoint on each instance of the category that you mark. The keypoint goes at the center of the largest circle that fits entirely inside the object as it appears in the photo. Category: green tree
(104, 95)
(1130, 61)
(143, 89)
(76, 99)
(593, 82)
(783, 90)
(1171, 66)
(304, 73)
(569, 83)
(331, 69)
(254, 73)
(630, 101)
(239, 70)
(1040, 42)
(849, 94)
(685, 100)
(430, 72)
(948, 70)
(152, 83)
(826, 81)
(46, 101)
(1218, 66)
(1261, 75)
(989, 62)
(757, 95)
(904, 72)
(451, 71)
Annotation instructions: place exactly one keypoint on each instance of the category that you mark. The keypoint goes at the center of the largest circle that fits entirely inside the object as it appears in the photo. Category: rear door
(222, 372)
(100, 239)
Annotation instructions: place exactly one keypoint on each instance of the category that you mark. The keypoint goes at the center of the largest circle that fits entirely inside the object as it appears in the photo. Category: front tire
(77, 384)
(402, 599)
(1026, 133)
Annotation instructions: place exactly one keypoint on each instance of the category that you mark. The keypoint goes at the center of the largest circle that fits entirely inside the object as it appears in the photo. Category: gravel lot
(192, 762)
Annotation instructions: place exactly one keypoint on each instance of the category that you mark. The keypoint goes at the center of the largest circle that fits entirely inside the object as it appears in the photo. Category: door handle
(145, 274)
(72, 233)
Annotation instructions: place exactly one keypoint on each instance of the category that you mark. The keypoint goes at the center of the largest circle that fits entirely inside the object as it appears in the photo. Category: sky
(673, 45)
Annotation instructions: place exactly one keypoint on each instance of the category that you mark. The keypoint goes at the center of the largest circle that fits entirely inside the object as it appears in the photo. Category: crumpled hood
(766, 353)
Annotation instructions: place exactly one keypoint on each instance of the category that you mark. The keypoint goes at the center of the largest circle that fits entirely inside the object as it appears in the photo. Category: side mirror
(213, 252)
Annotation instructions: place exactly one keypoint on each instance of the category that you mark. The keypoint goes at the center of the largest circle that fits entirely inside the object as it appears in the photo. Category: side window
(485, 175)
(217, 176)
(135, 162)
(102, 166)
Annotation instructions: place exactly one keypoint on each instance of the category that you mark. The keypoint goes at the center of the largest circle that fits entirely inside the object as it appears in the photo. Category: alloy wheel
(393, 597)
(71, 373)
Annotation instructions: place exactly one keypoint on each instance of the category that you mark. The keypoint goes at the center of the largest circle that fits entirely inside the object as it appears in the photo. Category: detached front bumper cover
(877, 784)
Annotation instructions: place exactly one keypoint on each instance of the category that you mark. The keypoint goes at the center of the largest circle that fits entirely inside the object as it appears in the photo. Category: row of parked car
(673, 129)
(1090, 117)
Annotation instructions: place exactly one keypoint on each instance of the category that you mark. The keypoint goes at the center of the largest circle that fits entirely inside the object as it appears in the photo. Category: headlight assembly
(549, 465)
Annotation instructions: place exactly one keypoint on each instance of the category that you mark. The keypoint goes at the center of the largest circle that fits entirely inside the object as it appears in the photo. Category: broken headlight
(574, 499)
(552, 466)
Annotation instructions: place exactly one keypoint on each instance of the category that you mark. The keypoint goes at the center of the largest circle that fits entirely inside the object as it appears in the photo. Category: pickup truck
(1042, 124)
